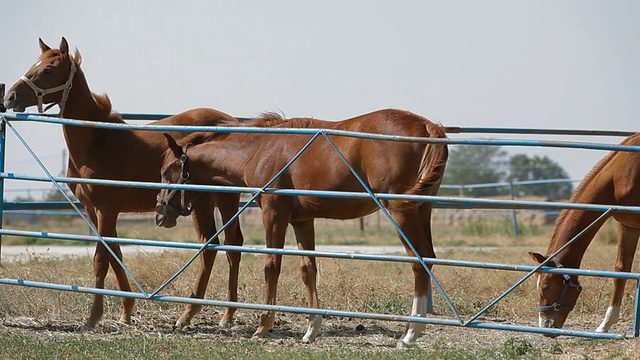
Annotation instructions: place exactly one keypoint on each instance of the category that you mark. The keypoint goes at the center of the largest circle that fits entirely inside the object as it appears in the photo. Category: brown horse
(236, 159)
(121, 155)
(613, 181)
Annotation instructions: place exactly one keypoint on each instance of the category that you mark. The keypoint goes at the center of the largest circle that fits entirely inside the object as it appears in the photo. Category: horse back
(199, 117)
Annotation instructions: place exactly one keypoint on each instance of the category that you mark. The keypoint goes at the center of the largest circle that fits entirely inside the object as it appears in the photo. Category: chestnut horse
(613, 181)
(121, 155)
(236, 159)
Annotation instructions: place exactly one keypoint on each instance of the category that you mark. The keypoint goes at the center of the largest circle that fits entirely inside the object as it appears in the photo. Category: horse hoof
(180, 324)
(258, 335)
(225, 324)
(404, 345)
(308, 339)
(86, 328)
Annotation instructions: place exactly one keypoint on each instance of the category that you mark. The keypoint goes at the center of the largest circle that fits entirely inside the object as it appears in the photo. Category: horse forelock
(51, 53)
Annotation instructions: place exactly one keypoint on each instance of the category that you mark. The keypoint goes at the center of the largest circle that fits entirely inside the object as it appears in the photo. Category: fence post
(636, 320)
(515, 219)
(2, 156)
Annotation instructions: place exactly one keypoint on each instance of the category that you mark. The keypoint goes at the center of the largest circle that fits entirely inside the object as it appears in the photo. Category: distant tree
(479, 164)
(523, 168)
(485, 164)
(27, 198)
(55, 195)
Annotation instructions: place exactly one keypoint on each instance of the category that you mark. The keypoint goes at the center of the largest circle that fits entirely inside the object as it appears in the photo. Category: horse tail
(433, 164)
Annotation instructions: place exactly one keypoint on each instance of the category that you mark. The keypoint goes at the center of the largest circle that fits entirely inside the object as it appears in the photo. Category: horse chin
(550, 323)
(9, 105)
(165, 221)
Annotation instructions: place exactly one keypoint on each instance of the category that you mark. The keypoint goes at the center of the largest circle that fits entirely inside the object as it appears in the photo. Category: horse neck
(82, 105)
(571, 222)
(222, 161)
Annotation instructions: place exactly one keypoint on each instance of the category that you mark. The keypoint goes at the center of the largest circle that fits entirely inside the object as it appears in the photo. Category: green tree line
(484, 164)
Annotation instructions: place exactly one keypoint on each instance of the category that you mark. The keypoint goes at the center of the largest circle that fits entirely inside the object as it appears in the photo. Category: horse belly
(308, 207)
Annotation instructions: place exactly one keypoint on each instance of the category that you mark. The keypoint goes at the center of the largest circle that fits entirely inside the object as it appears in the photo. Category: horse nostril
(11, 96)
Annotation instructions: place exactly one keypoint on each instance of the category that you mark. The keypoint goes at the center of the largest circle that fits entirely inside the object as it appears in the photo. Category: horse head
(47, 81)
(558, 294)
(175, 170)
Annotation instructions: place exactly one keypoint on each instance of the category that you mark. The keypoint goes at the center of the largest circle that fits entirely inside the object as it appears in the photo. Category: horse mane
(266, 119)
(103, 103)
(273, 119)
(197, 138)
(579, 190)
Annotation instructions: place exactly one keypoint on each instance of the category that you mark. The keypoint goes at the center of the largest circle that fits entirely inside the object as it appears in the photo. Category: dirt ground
(335, 333)
(56, 314)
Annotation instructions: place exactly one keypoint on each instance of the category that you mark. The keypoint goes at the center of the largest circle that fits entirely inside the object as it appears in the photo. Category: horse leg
(228, 206)
(107, 227)
(123, 284)
(424, 212)
(412, 224)
(102, 258)
(305, 237)
(627, 243)
(275, 228)
(100, 269)
(205, 227)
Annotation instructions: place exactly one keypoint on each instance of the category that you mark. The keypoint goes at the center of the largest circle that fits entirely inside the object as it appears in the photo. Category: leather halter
(185, 178)
(65, 88)
(566, 284)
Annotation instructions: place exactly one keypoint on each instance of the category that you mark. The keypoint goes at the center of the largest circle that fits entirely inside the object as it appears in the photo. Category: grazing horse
(236, 159)
(132, 155)
(613, 181)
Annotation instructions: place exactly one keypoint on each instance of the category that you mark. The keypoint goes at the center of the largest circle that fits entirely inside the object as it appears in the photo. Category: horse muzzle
(11, 102)
(165, 218)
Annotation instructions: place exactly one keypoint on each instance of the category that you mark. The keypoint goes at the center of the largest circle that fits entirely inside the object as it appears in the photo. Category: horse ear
(64, 46)
(537, 257)
(44, 47)
(171, 143)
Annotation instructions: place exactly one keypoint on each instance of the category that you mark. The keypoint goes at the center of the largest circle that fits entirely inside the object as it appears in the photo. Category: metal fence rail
(453, 202)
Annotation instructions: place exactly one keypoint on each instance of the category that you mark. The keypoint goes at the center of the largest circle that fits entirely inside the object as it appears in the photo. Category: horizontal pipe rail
(448, 129)
(441, 201)
(310, 311)
(310, 131)
(323, 254)
(507, 183)
(525, 131)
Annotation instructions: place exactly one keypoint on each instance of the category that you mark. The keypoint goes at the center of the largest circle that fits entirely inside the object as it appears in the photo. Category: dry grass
(343, 284)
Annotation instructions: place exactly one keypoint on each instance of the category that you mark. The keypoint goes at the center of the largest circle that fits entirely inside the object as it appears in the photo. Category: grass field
(45, 324)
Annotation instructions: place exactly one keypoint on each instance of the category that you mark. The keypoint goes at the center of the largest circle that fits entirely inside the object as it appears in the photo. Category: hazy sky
(538, 64)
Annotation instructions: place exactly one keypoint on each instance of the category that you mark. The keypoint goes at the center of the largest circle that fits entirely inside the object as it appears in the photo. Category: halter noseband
(185, 178)
(566, 284)
(65, 88)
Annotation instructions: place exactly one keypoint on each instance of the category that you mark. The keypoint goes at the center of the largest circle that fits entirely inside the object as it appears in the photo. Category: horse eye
(48, 70)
